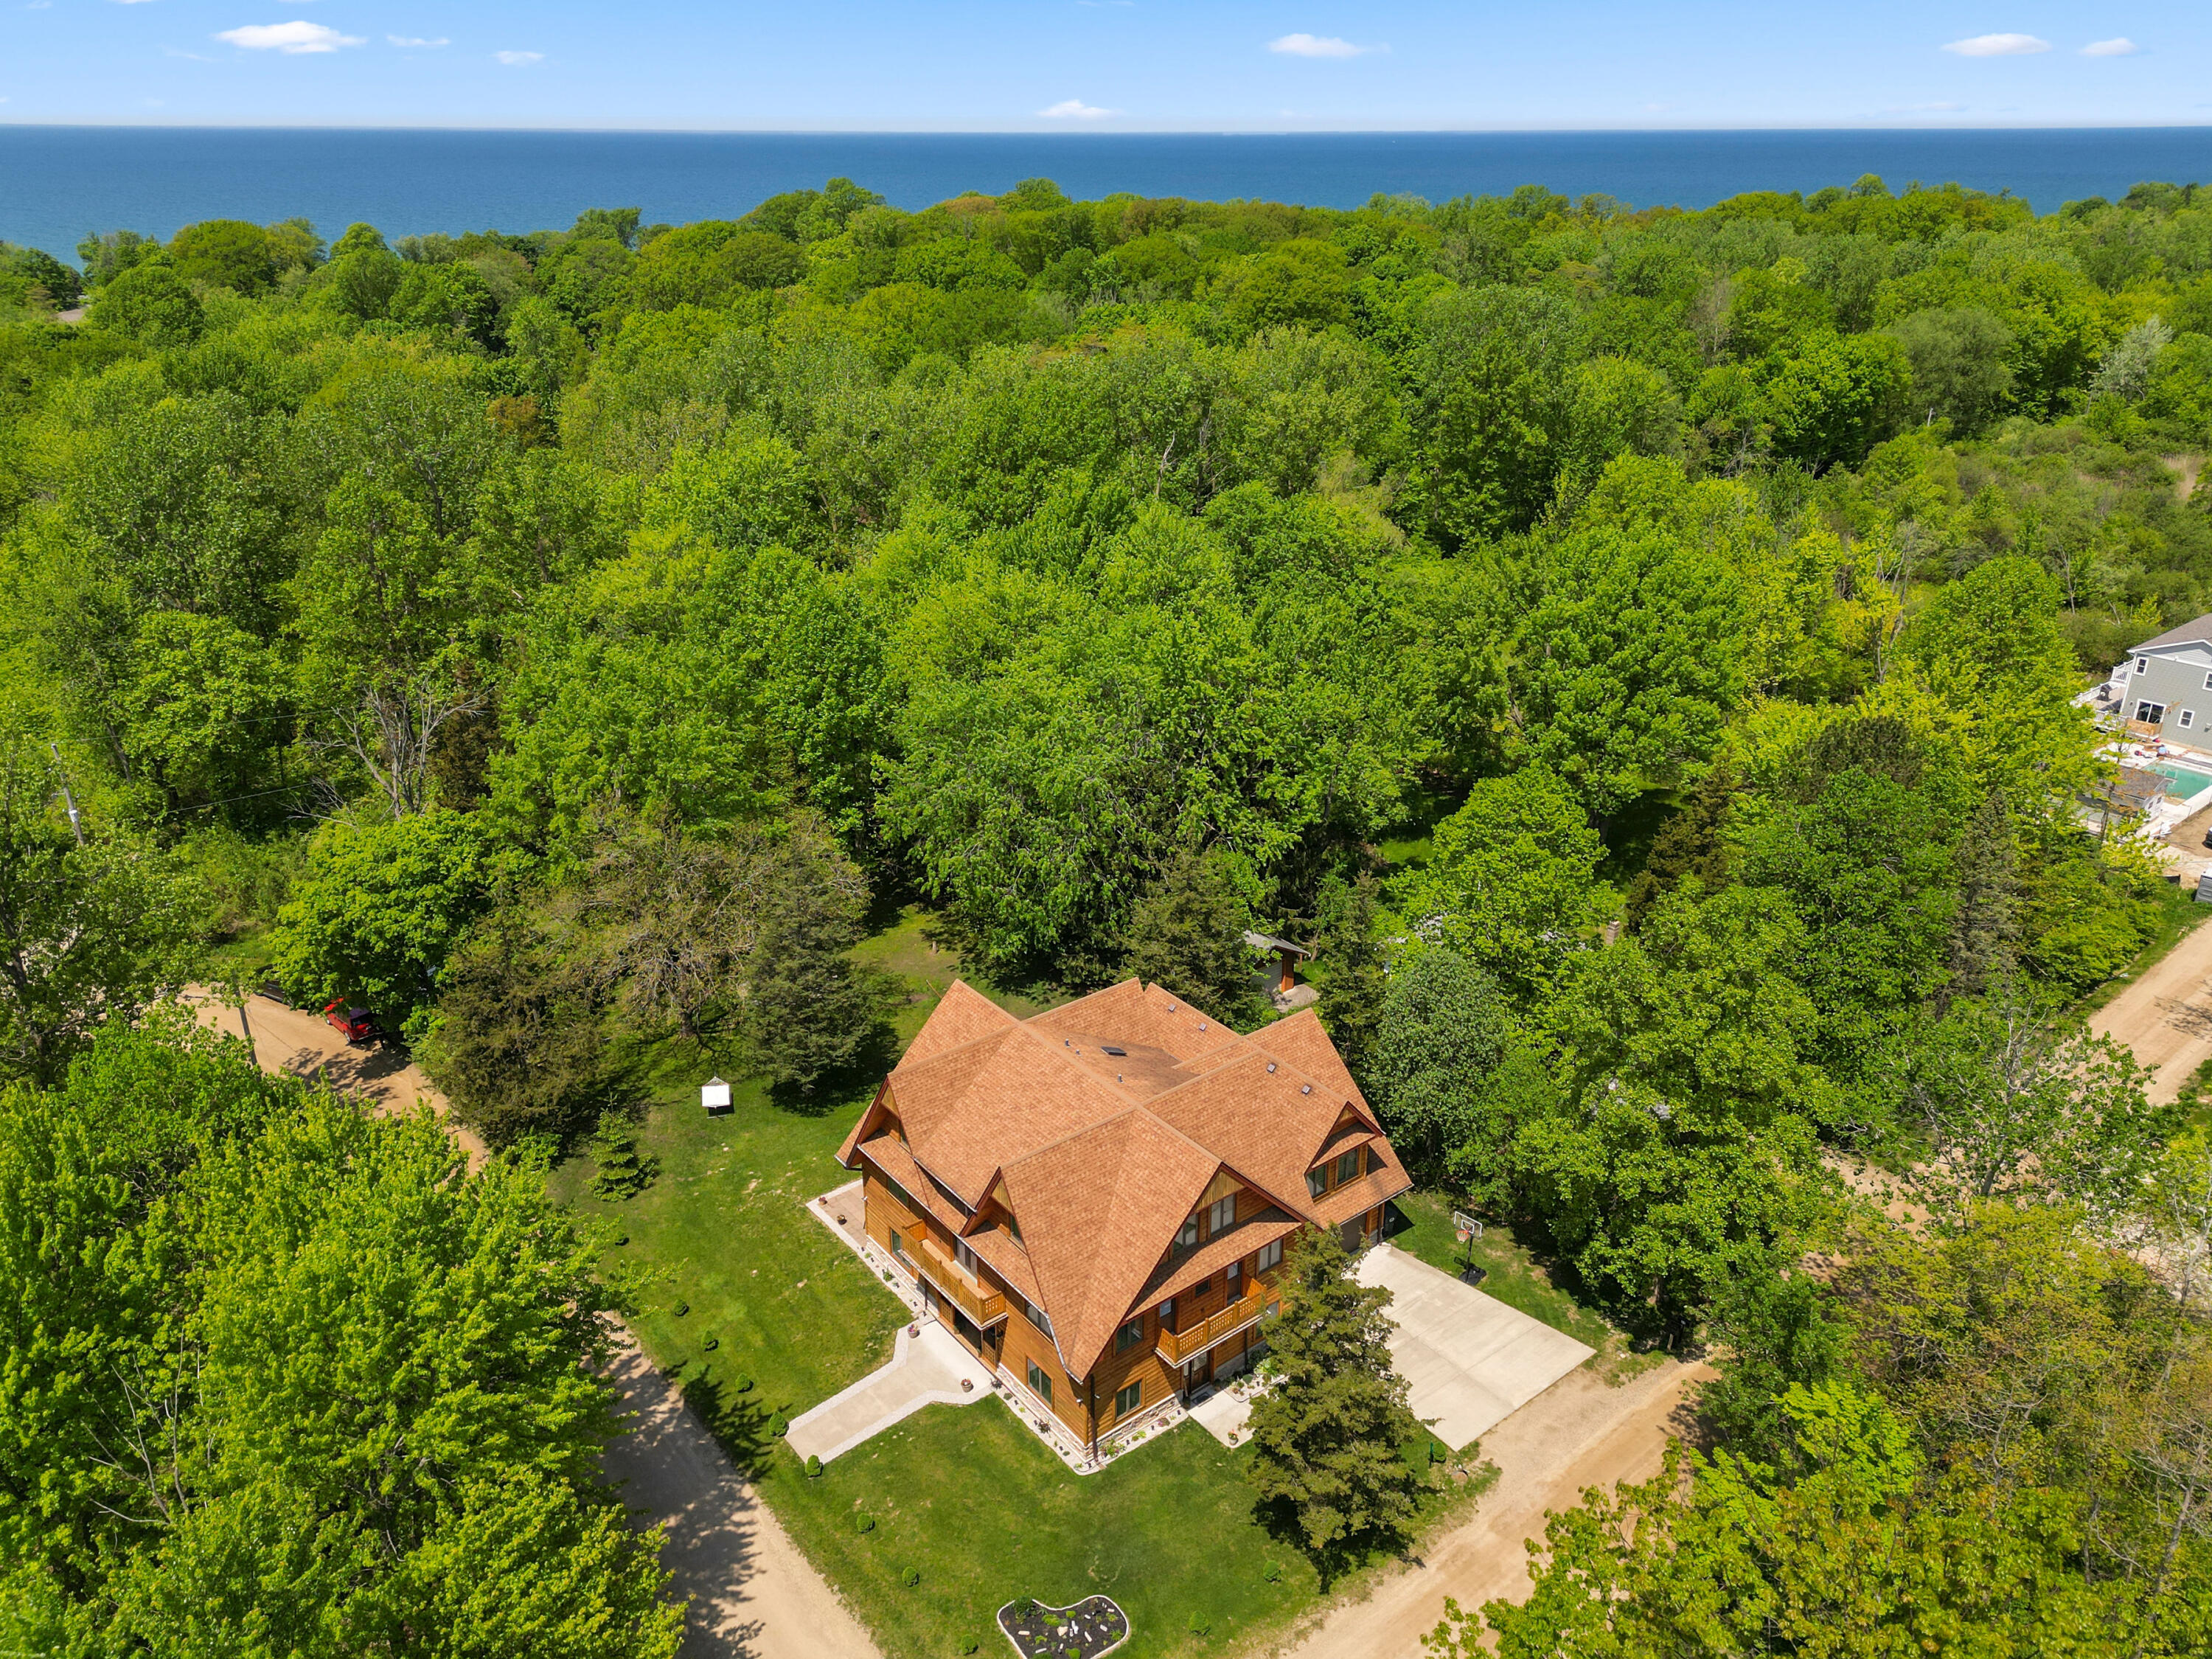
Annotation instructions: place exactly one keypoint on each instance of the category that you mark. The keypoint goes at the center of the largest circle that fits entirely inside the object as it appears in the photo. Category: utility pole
(75, 819)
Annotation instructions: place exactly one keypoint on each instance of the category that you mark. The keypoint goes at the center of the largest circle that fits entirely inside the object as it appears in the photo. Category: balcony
(983, 1305)
(1177, 1346)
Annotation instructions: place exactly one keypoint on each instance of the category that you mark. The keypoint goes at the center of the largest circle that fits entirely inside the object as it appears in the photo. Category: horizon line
(1082, 135)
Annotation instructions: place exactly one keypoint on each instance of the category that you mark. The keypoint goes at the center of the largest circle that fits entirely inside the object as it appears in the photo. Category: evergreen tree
(1187, 934)
(517, 1043)
(1986, 925)
(1326, 1437)
(624, 1173)
(808, 1010)
(1351, 958)
(1689, 844)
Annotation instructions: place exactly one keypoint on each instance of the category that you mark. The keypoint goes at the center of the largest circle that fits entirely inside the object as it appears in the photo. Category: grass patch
(965, 1500)
(1515, 1277)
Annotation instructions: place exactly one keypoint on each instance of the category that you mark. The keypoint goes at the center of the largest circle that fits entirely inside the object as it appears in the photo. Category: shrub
(1024, 1609)
(743, 1385)
(779, 1425)
(814, 1469)
(711, 1344)
(864, 1523)
(911, 1578)
(1275, 1572)
(966, 1644)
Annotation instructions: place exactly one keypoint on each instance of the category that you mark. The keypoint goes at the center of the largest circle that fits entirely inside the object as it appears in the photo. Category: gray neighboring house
(2166, 682)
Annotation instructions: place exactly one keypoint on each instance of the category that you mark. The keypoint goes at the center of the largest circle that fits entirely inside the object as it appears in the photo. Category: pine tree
(623, 1172)
(1987, 924)
(1351, 957)
(1326, 1437)
(1690, 844)
(808, 1010)
(1187, 935)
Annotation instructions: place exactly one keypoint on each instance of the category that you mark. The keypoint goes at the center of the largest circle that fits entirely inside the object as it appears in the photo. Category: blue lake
(57, 184)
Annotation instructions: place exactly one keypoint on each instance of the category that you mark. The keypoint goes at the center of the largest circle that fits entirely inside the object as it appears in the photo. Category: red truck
(358, 1025)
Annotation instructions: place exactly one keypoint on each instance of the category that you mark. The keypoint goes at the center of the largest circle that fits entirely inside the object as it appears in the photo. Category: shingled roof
(1106, 1120)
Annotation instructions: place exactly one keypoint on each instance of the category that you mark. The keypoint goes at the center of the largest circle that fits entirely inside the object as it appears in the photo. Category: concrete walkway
(1471, 1360)
(925, 1368)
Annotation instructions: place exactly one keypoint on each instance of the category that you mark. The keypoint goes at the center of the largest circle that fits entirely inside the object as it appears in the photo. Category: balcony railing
(1177, 1346)
(980, 1304)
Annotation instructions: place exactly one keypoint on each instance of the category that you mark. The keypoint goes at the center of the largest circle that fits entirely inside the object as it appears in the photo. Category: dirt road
(2166, 1016)
(297, 1042)
(753, 1595)
(1578, 1433)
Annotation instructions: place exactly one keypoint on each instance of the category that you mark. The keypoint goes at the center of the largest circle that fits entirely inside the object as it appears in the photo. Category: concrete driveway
(1471, 1361)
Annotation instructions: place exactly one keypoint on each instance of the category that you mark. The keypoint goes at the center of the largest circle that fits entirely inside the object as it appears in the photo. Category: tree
(1440, 1036)
(1630, 662)
(2015, 1100)
(1959, 374)
(91, 932)
(810, 1012)
(1834, 398)
(517, 1043)
(1513, 881)
(1327, 1436)
(1355, 978)
(1692, 843)
(294, 1372)
(1985, 930)
(1187, 934)
(150, 304)
(378, 911)
(225, 253)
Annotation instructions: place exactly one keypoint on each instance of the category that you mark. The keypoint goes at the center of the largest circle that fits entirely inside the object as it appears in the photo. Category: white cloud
(1074, 109)
(2119, 48)
(407, 40)
(1998, 46)
(290, 39)
(516, 59)
(1319, 46)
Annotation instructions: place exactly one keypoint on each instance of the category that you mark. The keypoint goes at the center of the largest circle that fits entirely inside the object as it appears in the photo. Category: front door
(1202, 1370)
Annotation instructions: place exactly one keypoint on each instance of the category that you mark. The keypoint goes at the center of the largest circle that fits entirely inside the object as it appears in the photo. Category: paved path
(926, 1368)
(2166, 1016)
(1469, 1360)
(1579, 1433)
(753, 1595)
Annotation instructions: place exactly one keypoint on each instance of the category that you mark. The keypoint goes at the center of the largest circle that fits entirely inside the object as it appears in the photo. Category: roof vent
(1201, 1026)
(1271, 1064)
(1305, 1088)
(1110, 1049)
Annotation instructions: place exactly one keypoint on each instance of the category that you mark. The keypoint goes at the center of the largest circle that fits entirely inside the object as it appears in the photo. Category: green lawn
(966, 1495)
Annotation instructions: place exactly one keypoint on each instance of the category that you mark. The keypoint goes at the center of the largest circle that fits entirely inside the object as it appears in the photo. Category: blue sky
(1126, 66)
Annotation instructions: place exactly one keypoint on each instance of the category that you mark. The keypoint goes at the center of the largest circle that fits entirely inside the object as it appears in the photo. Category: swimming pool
(2180, 780)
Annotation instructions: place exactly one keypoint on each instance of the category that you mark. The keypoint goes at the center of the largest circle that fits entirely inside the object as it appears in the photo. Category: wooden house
(1097, 1200)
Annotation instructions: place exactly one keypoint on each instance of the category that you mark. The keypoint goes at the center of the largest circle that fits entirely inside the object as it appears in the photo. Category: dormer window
(1348, 1166)
(1221, 1215)
(1187, 1239)
(1317, 1181)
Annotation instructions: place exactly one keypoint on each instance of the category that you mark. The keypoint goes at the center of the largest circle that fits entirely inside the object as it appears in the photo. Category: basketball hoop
(1464, 1235)
(1468, 1225)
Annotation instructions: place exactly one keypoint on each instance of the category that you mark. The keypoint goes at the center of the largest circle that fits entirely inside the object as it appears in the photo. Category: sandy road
(2166, 1016)
(753, 1595)
(1578, 1433)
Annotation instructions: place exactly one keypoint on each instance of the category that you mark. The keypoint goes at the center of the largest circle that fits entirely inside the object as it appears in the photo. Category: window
(1037, 1315)
(1129, 1335)
(1201, 1287)
(2208, 681)
(898, 1245)
(1348, 1166)
(1040, 1384)
(1187, 1237)
(1269, 1257)
(2151, 714)
(1229, 1281)
(1128, 1400)
(1316, 1182)
(2143, 665)
(966, 1256)
(1221, 1216)
(1165, 1313)
(2188, 718)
